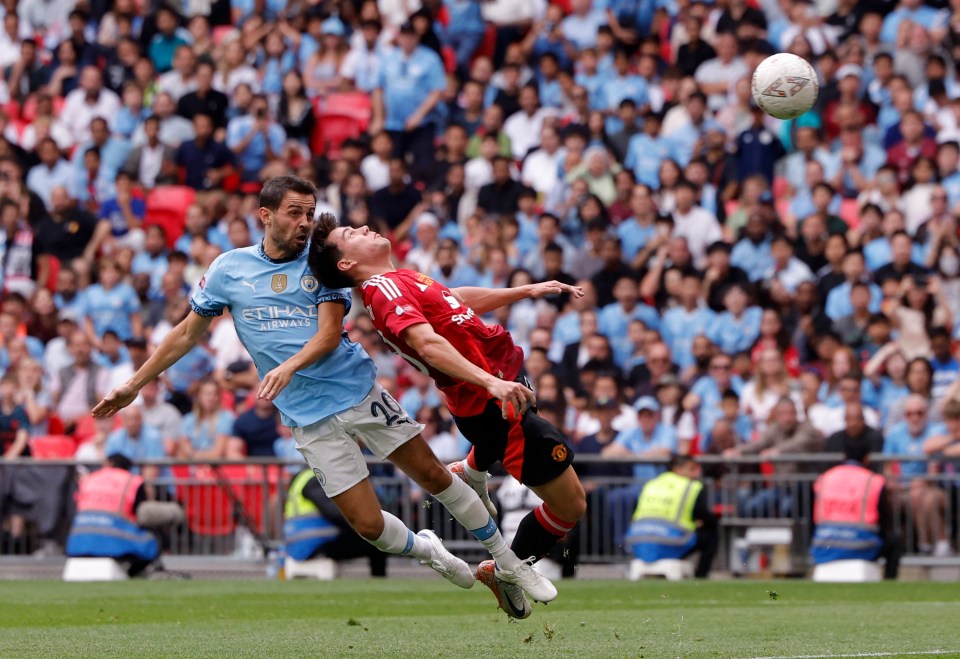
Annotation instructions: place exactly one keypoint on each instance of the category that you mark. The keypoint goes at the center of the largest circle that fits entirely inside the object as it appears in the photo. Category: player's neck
(275, 252)
(375, 269)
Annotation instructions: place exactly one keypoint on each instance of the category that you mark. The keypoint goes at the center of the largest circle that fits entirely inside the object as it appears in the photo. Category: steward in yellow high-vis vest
(673, 518)
(313, 526)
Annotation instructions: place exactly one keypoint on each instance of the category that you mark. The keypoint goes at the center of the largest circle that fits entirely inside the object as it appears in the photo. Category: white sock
(472, 473)
(398, 539)
(466, 507)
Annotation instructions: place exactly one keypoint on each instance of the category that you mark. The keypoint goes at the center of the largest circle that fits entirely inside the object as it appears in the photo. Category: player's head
(341, 257)
(287, 205)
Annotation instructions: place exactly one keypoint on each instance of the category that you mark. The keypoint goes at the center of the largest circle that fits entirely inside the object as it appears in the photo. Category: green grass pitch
(430, 618)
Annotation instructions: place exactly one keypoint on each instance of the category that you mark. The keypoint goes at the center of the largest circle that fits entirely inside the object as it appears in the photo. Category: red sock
(551, 522)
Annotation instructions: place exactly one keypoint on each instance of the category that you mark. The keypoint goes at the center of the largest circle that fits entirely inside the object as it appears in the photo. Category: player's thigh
(417, 460)
(563, 495)
(546, 454)
(380, 423)
(332, 454)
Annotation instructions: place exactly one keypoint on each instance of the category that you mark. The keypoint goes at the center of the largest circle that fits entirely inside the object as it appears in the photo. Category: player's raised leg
(330, 448)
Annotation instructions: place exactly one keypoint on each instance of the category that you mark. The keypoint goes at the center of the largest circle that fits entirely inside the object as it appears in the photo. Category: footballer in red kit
(478, 367)
(403, 298)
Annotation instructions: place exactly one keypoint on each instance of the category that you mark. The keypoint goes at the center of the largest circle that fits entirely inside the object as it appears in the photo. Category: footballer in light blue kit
(325, 388)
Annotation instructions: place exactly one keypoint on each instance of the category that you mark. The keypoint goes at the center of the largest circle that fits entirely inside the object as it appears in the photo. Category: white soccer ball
(785, 86)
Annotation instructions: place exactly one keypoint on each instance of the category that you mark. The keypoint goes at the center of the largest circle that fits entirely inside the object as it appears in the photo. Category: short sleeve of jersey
(391, 306)
(210, 295)
(343, 295)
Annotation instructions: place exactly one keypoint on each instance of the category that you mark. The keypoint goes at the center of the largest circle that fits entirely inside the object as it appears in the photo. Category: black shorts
(530, 449)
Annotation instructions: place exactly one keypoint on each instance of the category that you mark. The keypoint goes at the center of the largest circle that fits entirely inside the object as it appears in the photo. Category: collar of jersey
(263, 254)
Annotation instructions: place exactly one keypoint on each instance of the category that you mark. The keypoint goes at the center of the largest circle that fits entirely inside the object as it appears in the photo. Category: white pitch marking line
(864, 654)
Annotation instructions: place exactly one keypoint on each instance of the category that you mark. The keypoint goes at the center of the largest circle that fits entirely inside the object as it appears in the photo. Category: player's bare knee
(575, 508)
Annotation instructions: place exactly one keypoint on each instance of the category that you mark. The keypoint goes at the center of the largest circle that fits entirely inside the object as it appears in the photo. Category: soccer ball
(785, 86)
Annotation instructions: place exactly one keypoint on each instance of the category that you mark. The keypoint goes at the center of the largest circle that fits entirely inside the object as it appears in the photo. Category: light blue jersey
(274, 307)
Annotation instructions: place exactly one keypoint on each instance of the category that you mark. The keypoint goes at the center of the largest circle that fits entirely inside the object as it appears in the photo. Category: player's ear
(343, 265)
(265, 215)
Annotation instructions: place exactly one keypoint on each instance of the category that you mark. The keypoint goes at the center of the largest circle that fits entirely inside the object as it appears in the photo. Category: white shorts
(330, 446)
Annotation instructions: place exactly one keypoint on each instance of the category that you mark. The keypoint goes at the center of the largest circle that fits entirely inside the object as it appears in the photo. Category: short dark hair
(119, 461)
(677, 461)
(274, 190)
(324, 255)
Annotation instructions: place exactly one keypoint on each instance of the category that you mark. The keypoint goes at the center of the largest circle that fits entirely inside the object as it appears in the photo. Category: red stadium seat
(167, 207)
(207, 505)
(358, 105)
(247, 484)
(54, 264)
(52, 447)
(331, 132)
(489, 44)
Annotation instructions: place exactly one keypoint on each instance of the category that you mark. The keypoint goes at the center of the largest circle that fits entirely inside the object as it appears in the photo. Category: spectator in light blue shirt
(208, 427)
(690, 319)
(580, 27)
(614, 318)
(411, 82)
(737, 328)
(908, 436)
(707, 393)
(838, 302)
(623, 84)
(52, 171)
(915, 12)
(255, 139)
(650, 439)
(464, 30)
(752, 253)
(647, 151)
(136, 441)
(111, 305)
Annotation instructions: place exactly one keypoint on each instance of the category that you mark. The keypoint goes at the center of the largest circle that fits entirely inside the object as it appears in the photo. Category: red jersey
(396, 300)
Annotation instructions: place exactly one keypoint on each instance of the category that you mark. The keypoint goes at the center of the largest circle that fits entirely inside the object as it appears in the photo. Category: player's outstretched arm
(174, 346)
(483, 300)
(329, 328)
(440, 354)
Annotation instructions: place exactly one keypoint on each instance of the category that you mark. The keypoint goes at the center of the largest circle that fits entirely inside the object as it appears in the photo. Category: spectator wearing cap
(409, 87)
(650, 439)
(426, 230)
(321, 72)
(686, 321)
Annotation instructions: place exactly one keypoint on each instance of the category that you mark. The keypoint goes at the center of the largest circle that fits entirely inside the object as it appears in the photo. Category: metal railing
(236, 508)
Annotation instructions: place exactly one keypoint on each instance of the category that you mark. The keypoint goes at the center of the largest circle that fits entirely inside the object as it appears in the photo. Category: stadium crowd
(754, 285)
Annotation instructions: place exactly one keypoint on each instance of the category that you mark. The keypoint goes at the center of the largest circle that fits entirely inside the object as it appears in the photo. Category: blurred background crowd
(753, 285)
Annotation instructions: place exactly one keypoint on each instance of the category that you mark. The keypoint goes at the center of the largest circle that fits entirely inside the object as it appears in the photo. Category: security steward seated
(853, 514)
(313, 526)
(673, 519)
(112, 509)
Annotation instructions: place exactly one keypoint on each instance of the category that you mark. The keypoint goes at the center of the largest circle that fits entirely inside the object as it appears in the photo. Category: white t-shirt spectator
(714, 70)
(700, 228)
(524, 130)
(375, 172)
(242, 74)
(172, 82)
(541, 170)
(78, 112)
